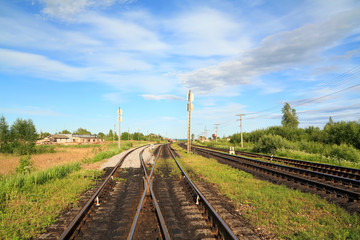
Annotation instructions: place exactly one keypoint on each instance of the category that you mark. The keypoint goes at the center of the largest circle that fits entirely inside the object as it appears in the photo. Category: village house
(69, 138)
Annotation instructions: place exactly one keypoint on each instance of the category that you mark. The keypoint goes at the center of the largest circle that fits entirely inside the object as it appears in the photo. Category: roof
(58, 136)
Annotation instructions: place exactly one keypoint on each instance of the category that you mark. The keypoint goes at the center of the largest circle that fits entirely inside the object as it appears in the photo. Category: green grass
(33, 201)
(286, 213)
(162, 163)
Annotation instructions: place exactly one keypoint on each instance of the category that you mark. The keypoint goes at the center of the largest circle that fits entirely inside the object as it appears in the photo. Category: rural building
(69, 138)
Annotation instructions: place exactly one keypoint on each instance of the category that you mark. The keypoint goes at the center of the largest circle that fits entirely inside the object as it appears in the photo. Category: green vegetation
(19, 139)
(31, 201)
(338, 143)
(162, 163)
(277, 210)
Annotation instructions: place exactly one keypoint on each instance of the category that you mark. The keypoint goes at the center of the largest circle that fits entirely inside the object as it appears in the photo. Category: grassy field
(276, 210)
(31, 201)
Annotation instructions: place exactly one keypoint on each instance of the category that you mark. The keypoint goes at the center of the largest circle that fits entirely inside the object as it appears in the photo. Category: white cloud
(290, 48)
(68, 9)
(123, 34)
(163, 97)
(40, 66)
(206, 32)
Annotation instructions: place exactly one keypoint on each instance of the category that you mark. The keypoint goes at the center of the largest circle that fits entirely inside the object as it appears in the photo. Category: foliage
(4, 134)
(66, 131)
(125, 136)
(82, 131)
(20, 139)
(101, 135)
(25, 165)
(289, 118)
(270, 143)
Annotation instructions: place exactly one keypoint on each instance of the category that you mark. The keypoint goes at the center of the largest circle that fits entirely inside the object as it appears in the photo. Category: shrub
(25, 165)
(269, 143)
(344, 152)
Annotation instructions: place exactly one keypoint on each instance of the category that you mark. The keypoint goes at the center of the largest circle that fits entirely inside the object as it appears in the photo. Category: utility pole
(138, 134)
(205, 132)
(119, 120)
(241, 133)
(148, 135)
(190, 107)
(216, 131)
(128, 134)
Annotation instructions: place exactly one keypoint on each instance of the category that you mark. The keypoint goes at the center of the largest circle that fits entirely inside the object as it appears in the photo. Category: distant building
(69, 138)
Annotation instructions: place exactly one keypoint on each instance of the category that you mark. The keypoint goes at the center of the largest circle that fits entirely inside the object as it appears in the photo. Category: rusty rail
(81, 215)
(223, 229)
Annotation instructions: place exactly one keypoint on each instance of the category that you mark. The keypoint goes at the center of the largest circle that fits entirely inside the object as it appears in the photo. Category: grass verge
(33, 201)
(278, 210)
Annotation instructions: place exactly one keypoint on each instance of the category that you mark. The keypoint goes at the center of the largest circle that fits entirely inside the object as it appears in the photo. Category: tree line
(21, 136)
(340, 139)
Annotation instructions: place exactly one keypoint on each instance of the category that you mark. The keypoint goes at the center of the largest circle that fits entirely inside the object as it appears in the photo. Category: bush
(25, 165)
(270, 143)
(344, 152)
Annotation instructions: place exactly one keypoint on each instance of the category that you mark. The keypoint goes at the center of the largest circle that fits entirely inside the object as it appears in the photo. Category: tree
(82, 131)
(23, 136)
(289, 118)
(4, 134)
(125, 136)
(101, 135)
(65, 132)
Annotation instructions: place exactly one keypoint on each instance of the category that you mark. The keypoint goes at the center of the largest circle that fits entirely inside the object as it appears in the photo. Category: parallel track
(345, 172)
(333, 186)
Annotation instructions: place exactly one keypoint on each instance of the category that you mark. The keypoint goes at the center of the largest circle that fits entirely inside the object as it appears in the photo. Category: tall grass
(29, 210)
(12, 185)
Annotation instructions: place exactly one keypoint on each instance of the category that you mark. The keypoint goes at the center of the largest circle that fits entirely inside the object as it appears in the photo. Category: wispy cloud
(163, 97)
(67, 9)
(276, 52)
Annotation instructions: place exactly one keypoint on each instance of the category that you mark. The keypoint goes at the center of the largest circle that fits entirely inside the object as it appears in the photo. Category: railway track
(345, 172)
(137, 203)
(328, 181)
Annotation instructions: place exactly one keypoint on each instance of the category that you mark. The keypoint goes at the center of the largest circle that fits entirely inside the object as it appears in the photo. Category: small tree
(4, 134)
(23, 136)
(289, 118)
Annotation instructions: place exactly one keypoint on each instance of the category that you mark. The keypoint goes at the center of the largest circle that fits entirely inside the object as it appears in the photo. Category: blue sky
(69, 64)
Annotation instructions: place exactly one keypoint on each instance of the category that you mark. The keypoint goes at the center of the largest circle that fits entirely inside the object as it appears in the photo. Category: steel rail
(222, 227)
(148, 188)
(328, 177)
(335, 170)
(351, 195)
(345, 171)
(80, 216)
